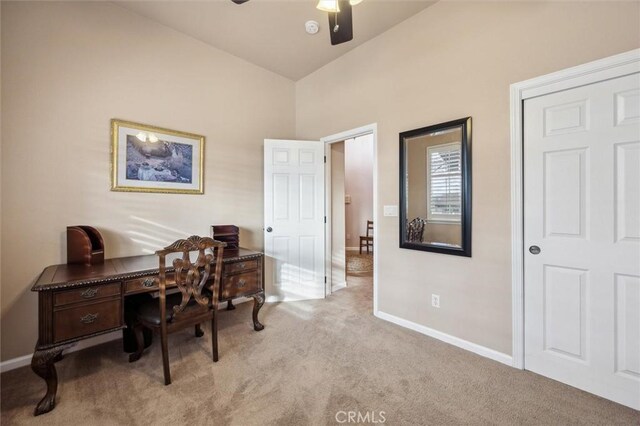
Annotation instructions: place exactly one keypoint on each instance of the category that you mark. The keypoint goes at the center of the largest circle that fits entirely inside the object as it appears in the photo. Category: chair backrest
(369, 228)
(191, 277)
(415, 229)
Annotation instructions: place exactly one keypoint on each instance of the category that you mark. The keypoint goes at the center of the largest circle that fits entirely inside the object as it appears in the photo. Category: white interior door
(294, 219)
(582, 209)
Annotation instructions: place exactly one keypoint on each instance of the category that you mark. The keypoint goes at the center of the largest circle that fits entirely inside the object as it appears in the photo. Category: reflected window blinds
(444, 183)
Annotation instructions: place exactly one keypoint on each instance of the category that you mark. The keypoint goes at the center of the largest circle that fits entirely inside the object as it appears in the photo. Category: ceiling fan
(340, 18)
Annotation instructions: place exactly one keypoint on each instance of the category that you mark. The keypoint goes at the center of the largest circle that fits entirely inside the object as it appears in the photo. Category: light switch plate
(391, 210)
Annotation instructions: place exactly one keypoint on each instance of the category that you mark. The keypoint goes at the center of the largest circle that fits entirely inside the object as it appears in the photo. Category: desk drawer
(248, 265)
(83, 294)
(240, 285)
(145, 284)
(86, 319)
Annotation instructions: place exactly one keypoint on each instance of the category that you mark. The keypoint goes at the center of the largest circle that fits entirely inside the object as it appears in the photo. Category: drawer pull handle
(241, 283)
(242, 265)
(89, 318)
(148, 282)
(89, 293)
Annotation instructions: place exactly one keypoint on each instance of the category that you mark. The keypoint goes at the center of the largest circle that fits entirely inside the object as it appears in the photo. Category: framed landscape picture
(152, 159)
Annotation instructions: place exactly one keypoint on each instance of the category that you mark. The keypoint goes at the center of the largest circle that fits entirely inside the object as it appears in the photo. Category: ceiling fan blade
(239, 1)
(345, 24)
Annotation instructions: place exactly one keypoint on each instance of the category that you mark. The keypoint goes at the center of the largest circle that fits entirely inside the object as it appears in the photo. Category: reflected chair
(196, 302)
(367, 240)
(415, 230)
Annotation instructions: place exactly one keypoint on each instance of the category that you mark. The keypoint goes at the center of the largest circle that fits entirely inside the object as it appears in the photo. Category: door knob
(269, 229)
(534, 250)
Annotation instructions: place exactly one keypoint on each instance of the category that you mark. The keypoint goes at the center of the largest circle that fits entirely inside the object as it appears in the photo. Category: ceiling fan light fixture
(328, 5)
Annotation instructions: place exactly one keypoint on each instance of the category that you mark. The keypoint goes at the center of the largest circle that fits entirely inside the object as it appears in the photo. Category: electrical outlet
(435, 300)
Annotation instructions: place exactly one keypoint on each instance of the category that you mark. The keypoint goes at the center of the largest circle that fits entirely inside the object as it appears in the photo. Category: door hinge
(325, 219)
(325, 279)
(325, 159)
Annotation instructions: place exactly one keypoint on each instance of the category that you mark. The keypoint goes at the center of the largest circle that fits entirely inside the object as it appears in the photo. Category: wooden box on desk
(84, 245)
(229, 234)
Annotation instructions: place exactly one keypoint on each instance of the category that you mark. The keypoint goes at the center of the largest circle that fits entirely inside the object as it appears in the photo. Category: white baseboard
(21, 361)
(239, 300)
(352, 249)
(338, 286)
(452, 340)
(12, 364)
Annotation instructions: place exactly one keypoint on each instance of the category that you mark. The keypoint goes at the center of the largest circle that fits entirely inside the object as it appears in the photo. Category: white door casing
(335, 250)
(582, 208)
(294, 219)
(371, 129)
(581, 75)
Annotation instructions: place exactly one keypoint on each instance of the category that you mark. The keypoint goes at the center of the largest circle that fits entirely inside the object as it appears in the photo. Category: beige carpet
(313, 359)
(358, 264)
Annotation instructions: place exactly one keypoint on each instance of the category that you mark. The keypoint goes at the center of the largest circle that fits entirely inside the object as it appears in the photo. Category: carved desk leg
(258, 301)
(42, 364)
(230, 306)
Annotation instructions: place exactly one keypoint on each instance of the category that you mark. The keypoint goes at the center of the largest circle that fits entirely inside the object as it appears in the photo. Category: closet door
(582, 237)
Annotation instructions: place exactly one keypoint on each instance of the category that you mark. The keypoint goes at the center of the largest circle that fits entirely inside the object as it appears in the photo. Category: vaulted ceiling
(271, 33)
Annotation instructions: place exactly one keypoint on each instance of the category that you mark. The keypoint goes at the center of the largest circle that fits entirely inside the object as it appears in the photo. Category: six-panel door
(582, 209)
(294, 219)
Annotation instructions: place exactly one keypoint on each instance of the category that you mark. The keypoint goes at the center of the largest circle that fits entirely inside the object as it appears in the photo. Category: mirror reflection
(433, 188)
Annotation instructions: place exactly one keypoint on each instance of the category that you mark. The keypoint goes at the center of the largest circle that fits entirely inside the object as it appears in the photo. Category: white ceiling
(271, 33)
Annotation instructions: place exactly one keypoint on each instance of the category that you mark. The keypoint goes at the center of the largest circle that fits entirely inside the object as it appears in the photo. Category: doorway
(351, 210)
(576, 185)
(350, 203)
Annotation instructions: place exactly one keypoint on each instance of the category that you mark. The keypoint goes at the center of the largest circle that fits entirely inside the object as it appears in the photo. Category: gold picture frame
(147, 158)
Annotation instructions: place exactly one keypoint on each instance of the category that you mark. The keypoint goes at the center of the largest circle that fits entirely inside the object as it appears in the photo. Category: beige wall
(67, 69)
(454, 60)
(358, 159)
(338, 260)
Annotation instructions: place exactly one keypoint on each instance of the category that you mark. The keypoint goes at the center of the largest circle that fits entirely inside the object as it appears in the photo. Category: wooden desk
(76, 302)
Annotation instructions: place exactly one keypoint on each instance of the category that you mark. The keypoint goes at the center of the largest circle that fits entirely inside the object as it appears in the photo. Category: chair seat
(149, 311)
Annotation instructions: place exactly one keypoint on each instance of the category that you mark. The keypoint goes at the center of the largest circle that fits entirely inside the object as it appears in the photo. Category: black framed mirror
(435, 188)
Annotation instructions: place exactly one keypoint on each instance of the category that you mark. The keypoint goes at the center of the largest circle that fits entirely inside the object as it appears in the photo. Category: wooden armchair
(197, 301)
(367, 240)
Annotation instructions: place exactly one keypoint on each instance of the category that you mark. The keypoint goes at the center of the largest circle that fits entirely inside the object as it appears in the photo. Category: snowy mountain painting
(159, 161)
